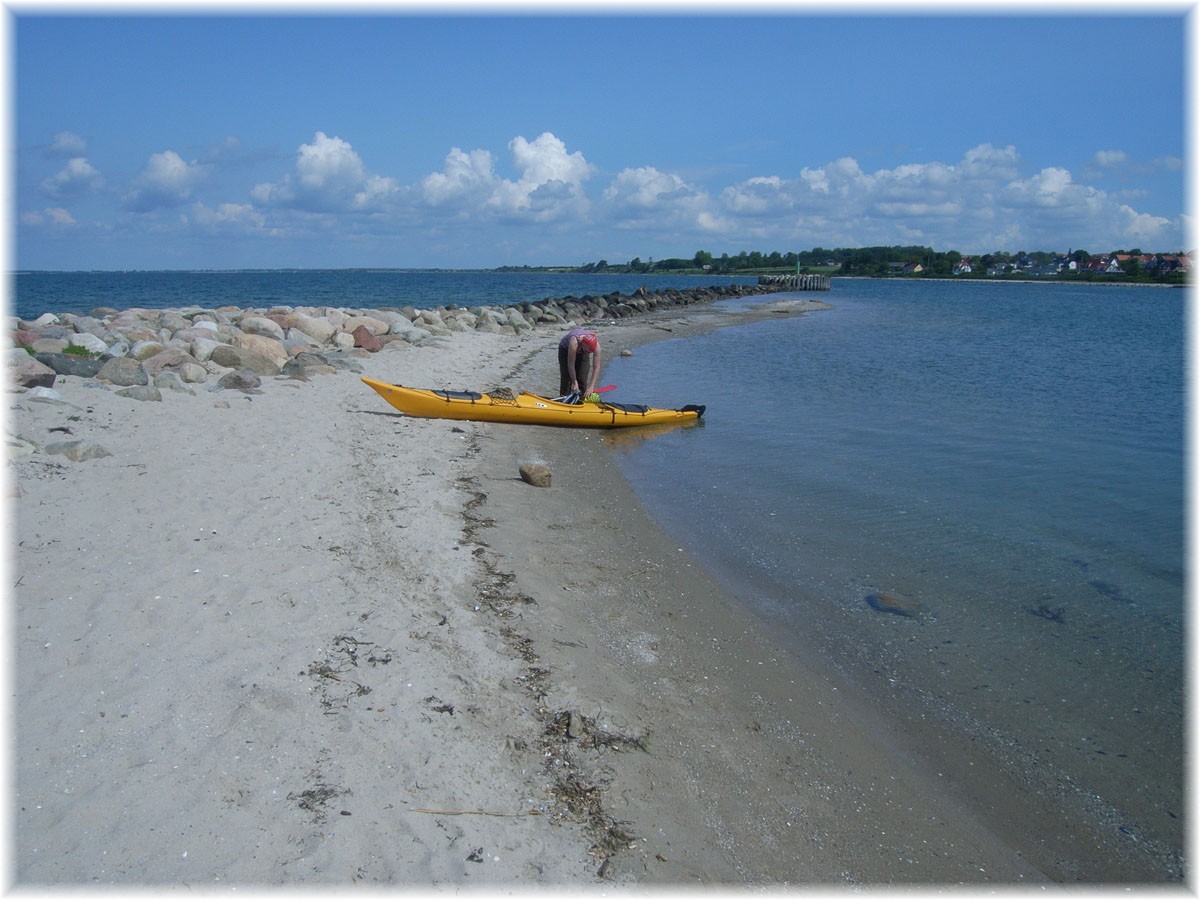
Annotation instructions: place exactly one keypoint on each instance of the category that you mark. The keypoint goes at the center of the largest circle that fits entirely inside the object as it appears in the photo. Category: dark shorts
(583, 368)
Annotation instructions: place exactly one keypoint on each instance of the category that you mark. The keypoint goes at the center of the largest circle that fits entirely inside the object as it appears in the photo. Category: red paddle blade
(607, 387)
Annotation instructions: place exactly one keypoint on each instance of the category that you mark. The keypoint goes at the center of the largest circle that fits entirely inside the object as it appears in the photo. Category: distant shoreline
(557, 270)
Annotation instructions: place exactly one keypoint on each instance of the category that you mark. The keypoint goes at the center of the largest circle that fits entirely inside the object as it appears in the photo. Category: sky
(422, 137)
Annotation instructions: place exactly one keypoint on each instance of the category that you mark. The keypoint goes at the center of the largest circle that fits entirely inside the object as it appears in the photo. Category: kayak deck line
(524, 408)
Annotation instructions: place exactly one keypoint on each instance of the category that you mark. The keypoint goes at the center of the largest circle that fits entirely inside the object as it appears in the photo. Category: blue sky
(400, 139)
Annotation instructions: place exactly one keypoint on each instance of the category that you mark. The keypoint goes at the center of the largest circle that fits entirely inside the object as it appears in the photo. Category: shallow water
(1009, 460)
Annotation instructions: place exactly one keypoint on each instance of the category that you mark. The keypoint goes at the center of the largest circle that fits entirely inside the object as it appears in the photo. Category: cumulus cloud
(67, 144)
(228, 216)
(646, 188)
(166, 182)
(981, 202)
(330, 177)
(643, 197)
(550, 183)
(1142, 228)
(986, 200)
(465, 179)
(549, 186)
(1051, 188)
(78, 178)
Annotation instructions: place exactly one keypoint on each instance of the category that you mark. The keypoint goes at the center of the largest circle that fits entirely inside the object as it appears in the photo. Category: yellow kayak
(525, 408)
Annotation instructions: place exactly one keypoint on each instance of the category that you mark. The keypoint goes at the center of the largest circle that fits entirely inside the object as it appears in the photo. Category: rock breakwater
(143, 351)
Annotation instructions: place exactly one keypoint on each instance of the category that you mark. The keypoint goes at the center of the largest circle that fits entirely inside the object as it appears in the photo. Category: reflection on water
(625, 439)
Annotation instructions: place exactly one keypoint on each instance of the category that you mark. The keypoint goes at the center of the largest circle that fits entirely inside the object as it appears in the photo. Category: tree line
(915, 261)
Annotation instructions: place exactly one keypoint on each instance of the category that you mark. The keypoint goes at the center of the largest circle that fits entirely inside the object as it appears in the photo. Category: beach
(287, 636)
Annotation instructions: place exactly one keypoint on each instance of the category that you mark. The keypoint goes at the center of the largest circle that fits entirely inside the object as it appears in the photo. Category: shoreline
(964, 818)
(410, 667)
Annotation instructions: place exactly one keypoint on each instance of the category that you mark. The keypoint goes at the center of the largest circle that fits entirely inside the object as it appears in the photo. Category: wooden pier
(797, 282)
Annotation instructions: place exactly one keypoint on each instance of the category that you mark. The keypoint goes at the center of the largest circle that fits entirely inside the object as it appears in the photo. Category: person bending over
(578, 362)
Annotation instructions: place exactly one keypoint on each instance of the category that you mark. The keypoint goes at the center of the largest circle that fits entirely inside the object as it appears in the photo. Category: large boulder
(89, 325)
(70, 364)
(23, 337)
(231, 356)
(269, 347)
(170, 360)
(88, 342)
(144, 349)
(375, 326)
(366, 339)
(262, 325)
(202, 348)
(25, 371)
(320, 330)
(124, 371)
(197, 333)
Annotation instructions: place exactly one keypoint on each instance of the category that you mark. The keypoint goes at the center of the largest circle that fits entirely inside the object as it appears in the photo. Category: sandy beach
(291, 637)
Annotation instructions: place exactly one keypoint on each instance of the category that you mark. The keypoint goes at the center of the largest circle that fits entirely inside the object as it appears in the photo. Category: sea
(36, 292)
(966, 500)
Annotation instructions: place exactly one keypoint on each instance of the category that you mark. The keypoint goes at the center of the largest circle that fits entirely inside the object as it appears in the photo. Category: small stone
(536, 474)
(893, 603)
(77, 451)
(141, 392)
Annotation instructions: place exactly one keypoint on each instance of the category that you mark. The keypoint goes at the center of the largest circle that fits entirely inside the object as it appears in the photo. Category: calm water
(1009, 457)
(34, 293)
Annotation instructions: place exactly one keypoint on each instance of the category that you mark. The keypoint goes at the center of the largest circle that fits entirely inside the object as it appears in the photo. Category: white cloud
(166, 182)
(645, 188)
(1050, 188)
(549, 186)
(1142, 228)
(646, 198)
(78, 178)
(1107, 158)
(550, 183)
(1110, 163)
(330, 177)
(465, 178)
(990, 163)
(759, 196)
(979, 203)
(67, 144)
(228, 216)
(54, 216)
